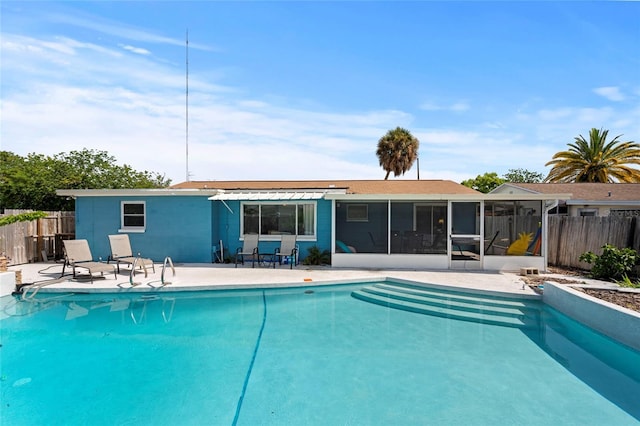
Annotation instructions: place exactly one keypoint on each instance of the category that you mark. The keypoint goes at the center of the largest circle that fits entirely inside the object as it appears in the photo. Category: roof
(399, 186)
(600, 192)
(397, 189)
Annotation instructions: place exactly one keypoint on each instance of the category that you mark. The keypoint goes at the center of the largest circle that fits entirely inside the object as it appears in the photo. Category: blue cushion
(343, 247)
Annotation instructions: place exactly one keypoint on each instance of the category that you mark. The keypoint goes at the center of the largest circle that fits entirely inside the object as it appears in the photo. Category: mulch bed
(629, 300)
(624, 299)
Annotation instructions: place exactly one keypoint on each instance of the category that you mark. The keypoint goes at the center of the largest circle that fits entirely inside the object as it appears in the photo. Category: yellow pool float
(519, 246)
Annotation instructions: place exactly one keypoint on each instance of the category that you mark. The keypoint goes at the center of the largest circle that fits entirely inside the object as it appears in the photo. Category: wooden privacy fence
(24, 242)
(569, 237)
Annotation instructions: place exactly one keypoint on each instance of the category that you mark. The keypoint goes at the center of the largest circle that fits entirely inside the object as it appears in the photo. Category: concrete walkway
(189, 277)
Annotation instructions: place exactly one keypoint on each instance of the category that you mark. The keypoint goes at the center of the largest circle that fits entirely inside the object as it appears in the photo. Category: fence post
(632, 233)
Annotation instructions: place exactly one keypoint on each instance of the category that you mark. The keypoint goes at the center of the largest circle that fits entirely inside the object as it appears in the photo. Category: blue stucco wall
(184, 228)
(179, 227)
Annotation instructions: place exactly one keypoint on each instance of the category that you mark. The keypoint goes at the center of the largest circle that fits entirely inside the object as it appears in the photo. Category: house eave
(526, 197)
(630, 203)
(134, 192)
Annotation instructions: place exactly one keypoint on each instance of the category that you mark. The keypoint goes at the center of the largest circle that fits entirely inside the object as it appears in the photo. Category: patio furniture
(121, 253)
(379, 246)
(287, 249)
(78, 255)
(249, 249)
(341, 247)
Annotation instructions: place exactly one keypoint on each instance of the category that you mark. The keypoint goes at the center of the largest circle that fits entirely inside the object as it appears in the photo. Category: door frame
(475, 236)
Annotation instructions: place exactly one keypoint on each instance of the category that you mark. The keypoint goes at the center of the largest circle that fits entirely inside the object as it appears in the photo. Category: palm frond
(397, 150)
(596, 160)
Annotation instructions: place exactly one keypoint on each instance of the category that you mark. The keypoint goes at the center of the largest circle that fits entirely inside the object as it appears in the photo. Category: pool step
(456, 296)
(455, 305)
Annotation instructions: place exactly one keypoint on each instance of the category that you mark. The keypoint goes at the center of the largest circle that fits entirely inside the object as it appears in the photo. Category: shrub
(317, 257)
(612, 264)
(22, 217)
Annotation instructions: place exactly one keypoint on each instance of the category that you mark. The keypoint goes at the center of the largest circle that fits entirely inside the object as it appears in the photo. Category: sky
(302, 90)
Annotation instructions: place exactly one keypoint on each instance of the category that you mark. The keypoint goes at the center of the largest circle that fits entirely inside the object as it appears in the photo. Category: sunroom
(477, 232)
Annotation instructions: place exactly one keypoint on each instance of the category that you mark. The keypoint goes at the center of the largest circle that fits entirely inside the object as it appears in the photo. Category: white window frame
(588, 211)
(357, 214)
(124, 228)
(266, 237)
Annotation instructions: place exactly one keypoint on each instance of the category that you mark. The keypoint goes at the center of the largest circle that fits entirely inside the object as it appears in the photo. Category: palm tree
(596, 160)
(397, 151)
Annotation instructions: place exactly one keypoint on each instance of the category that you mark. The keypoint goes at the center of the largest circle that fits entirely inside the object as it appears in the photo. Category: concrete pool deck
(189, 277)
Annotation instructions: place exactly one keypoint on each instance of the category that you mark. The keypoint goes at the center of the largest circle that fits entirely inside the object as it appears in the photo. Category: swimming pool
(300, 356)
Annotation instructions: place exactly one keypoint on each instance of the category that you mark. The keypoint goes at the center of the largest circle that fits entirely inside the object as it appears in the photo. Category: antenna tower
(187, 107)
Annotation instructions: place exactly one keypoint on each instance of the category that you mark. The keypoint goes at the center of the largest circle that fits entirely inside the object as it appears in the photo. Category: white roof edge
(530, 196)
(159, 192)
(265, 195)
(444, 197)
(513, 185)
(329, 195)
(604, 202)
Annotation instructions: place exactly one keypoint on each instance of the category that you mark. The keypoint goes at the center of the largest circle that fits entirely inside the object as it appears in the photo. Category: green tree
(31, 182)
(484, 183)
(596, 160)
(397, 151)
(523, 176)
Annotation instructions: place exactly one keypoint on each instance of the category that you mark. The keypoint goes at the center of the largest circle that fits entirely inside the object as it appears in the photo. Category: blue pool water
(296, 357)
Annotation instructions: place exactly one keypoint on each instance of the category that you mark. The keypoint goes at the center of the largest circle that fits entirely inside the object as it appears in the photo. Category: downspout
(545, 236)
(333, 230)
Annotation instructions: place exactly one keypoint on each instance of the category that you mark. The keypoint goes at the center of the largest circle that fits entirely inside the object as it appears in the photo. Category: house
(587, 199)
(422, 224)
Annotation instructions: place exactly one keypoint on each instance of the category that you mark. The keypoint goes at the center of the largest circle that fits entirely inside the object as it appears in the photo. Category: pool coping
(197, 277)
(612, 320)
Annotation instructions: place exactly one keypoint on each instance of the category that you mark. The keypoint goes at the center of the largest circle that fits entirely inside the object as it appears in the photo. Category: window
(357, 212)
(588, 212)
(133, 215)
(277, 219)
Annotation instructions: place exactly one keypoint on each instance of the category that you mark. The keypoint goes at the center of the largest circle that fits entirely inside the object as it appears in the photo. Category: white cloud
(459, 106)
(138, 50)
(610, 92)
(494, 125)
(117, 29)
(555, 114)
(61, 94)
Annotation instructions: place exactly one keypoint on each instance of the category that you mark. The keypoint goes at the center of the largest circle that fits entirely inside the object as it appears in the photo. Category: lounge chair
(343, 248)
(78, 255)
(121, 253)
(287, 249)
(249, 248)
(378, 246)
